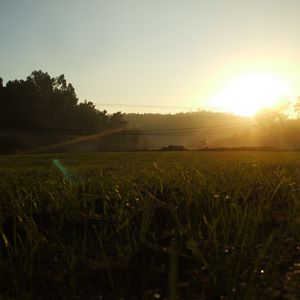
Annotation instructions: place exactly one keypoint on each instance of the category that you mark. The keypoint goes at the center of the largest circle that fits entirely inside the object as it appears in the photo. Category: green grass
(150, 225)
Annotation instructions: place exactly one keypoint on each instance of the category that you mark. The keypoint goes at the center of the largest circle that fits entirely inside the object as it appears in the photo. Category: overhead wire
(146, 105)
(187, 131)
(155, 106)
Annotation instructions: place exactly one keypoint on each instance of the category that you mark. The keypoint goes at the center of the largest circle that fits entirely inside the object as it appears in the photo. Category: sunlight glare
(251, 92)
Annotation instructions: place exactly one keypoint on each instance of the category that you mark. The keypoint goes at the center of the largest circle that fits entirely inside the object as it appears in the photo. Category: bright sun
(251, 92)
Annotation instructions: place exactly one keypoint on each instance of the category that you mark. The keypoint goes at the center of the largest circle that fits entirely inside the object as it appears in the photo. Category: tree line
(46, 104)
(42, 110)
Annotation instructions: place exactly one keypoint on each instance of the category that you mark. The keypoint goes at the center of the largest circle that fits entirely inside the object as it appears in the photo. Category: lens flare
(66, 173)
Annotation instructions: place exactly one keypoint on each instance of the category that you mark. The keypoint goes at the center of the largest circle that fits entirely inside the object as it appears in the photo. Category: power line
(154, 106)
(164, 132)
(225, 126)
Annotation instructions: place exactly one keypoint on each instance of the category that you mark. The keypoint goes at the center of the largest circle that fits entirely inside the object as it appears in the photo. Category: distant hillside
(192, 130)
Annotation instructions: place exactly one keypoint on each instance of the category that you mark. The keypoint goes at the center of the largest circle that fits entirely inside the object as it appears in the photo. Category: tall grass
(151, 226)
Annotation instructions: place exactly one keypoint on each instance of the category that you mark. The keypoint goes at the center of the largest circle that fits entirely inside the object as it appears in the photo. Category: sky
(152, 56)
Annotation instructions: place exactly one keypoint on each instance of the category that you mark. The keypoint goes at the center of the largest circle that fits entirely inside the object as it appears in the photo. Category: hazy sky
(172, 53)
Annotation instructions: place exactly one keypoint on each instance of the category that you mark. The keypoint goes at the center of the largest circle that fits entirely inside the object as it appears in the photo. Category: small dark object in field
(173, 148)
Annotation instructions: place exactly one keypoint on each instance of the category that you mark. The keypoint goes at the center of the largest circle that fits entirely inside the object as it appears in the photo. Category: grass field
(150, 225)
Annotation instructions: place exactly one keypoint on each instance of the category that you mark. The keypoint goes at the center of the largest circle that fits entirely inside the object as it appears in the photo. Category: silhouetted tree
(1, 89)
(116, 120)
(272, 122)
(45, 103)
(297, 107)
(1, 100)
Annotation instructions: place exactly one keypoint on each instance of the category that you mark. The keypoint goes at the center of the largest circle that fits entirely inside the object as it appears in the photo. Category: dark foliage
(44, 104)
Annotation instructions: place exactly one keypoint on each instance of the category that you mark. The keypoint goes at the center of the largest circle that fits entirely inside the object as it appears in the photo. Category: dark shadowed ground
(150, 225)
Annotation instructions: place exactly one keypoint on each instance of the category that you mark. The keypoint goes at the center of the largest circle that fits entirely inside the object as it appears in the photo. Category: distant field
(146, 159)
(150, 225)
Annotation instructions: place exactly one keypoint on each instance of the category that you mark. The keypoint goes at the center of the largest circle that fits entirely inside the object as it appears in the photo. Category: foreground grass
(150, 226)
